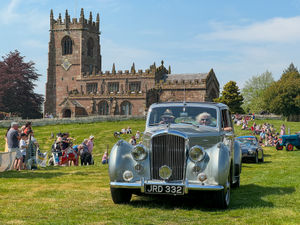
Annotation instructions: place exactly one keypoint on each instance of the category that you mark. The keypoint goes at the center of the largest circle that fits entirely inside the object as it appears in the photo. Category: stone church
(77, 86)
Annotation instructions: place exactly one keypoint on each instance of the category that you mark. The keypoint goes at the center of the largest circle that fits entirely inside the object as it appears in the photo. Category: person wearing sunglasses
(204, 119)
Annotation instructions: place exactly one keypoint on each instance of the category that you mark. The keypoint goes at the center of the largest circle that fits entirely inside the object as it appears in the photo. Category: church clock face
(66, 64)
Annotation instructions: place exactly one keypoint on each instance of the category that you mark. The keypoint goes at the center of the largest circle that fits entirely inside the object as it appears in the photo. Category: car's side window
(230, 124)
(223, 118)
(226, 120)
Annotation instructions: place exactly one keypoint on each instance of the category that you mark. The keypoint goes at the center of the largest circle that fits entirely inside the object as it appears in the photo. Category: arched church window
(66, 45)
(90, 47)
(126, 108)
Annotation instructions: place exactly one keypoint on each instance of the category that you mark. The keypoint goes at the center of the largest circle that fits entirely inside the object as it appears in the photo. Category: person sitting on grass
(129, 131)
(123, 131)
(132, 140)
(137, 135)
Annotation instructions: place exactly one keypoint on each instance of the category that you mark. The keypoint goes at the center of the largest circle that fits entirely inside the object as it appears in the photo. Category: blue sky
(238, 39)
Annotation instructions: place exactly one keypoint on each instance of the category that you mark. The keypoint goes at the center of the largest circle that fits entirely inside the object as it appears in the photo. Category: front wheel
(237, 183)
(120, 195)
(256, 158)
(289, 147)
(279, 147)
(222, 198)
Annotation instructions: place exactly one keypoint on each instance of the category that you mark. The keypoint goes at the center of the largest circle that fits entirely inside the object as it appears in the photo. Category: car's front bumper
(248, 155)
(188, 186)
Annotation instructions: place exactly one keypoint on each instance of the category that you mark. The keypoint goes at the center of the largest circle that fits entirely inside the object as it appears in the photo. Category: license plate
(163, 189)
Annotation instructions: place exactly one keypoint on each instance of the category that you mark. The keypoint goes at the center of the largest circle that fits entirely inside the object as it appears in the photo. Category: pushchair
(56, 153)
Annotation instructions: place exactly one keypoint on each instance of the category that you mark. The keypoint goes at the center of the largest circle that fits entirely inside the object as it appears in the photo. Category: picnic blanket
(7, 160)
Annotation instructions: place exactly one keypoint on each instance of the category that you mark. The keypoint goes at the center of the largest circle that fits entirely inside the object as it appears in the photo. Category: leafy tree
(283, 96)
(253, 92)
(16, 85)
(291, 68)
(232, 97)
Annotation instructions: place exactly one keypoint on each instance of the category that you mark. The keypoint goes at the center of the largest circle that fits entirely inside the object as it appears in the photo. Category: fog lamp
(127, 175)
(139, 153)
(196, 169)
(196, 153)
(202, 177)
(138, 167)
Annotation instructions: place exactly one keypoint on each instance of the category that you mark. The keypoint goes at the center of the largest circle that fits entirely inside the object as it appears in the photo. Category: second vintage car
(186, 147)
(251, 149)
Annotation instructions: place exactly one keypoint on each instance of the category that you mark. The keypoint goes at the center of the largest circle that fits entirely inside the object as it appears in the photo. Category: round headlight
(196, 153)
(139, 153)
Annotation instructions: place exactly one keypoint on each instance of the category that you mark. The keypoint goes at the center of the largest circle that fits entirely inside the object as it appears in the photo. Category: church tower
(74, 49)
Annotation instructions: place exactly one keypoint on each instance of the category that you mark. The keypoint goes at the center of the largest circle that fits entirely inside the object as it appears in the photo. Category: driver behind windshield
(204, 119)
(167, 117)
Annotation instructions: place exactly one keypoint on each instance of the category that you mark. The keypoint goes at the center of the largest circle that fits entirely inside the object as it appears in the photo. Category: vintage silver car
(186, 147)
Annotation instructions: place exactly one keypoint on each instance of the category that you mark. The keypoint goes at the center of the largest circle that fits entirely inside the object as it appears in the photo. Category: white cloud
(8, 13)
(22, 13)
(278, 29)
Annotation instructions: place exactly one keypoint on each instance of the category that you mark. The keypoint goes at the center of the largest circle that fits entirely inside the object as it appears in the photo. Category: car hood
(247, 147)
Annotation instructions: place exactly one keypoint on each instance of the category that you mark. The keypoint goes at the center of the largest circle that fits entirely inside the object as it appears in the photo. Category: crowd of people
(65, 153)
(17, 140)
(135, 139)
(267, 135)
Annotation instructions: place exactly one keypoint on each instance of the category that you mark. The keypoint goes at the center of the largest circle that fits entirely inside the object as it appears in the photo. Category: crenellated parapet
(67, 23)
(132, 73)
(182, 84)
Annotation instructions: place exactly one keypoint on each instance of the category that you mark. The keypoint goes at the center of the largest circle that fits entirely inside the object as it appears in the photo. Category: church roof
(186, 76)
(68, 101)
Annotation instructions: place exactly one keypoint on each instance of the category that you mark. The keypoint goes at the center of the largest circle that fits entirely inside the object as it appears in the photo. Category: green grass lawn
(269, 192)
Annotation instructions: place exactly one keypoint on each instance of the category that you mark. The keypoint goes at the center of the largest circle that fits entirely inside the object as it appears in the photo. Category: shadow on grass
(253, 163)
(247, 196)
(30, 174)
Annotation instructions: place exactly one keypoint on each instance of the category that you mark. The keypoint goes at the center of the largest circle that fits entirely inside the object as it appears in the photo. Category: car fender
(218, 166)
(121, 160)
(237, 158)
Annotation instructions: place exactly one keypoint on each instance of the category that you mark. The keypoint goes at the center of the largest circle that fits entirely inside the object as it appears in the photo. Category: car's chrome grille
(168, 150)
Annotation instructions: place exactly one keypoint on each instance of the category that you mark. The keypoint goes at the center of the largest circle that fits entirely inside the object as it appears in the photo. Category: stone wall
(55, 121)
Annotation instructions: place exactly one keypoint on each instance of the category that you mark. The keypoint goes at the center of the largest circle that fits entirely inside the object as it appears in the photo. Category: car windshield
(247, 141)
(195, 115)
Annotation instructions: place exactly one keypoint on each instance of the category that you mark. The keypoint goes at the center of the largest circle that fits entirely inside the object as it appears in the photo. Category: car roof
(189, 103)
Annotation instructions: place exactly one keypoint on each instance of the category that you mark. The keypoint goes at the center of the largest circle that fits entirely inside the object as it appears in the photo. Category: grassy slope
(269, 192)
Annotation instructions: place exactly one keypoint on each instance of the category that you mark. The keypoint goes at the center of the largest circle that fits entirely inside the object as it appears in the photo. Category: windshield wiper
(155, 124)
(185, 122)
